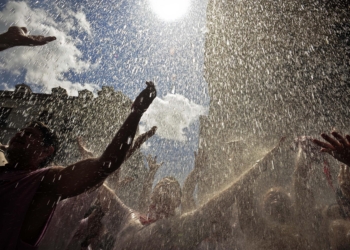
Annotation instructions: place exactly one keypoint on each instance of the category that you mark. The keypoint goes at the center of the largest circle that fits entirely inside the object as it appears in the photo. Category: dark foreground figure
(29, 193)
(18, 36)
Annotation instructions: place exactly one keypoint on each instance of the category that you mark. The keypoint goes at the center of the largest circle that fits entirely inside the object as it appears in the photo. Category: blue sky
(120, 44)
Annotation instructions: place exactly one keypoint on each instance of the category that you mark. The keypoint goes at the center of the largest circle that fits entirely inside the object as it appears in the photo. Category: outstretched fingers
(338, 147)
(41, 40)
(348, 138)
(343, 141)
(335, 143)
(18, 36)
(325, 147)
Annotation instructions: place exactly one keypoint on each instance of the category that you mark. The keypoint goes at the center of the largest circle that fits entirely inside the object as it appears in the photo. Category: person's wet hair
(167, 191)
(277, 201)
(49, 139)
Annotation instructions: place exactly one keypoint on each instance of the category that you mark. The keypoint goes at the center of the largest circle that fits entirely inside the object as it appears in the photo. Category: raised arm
(307, 155)
(17, 36)
(226, 198)
(85, 153)
(81, 176)
(188, 202)
(200, 220)
(140, 140)
(145, 196)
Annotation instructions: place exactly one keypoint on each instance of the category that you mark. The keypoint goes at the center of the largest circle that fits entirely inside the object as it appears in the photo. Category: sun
(170, 10)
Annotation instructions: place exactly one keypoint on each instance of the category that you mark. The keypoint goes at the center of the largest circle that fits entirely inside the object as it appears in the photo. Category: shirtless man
(280, 222)
(29, 193)
(18, 36)
(299, 224)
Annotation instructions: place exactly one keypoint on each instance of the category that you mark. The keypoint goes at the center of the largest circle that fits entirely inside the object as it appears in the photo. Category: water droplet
(129, 141)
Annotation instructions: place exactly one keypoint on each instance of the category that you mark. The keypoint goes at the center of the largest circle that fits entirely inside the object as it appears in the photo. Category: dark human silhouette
(29, 193)
(18, 36)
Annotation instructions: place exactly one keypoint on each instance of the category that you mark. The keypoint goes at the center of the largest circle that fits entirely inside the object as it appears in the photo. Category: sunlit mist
(170, 10)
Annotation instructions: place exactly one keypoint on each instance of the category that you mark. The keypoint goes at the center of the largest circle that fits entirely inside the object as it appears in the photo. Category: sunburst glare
(170, 10)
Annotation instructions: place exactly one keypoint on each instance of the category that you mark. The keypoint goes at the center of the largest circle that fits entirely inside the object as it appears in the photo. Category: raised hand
(152, 163)
(140, 140)
(339, 147)
(344, 180)
(17, 36)
(145, 98)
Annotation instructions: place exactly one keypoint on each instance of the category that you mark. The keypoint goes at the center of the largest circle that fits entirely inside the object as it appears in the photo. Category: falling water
(233, 77)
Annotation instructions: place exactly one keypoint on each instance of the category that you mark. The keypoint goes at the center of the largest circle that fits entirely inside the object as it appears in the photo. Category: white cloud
(74, 20)
(171, 115)
(45, 65)
(84, 24)
(6, 86)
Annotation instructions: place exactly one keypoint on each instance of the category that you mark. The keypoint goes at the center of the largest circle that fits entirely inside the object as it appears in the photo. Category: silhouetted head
(166, 197)
(277, 205)
(33, 146)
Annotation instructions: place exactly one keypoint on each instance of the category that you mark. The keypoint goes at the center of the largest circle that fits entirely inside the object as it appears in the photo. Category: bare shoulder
(50, 180)
(53, 172)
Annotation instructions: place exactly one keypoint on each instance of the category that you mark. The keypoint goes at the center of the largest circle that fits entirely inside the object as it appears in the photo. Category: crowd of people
(74, 208)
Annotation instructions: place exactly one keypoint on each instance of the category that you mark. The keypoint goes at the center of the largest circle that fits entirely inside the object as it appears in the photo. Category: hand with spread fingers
(17, 36)
(152, 163)
(339, 147)
(344, 180)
